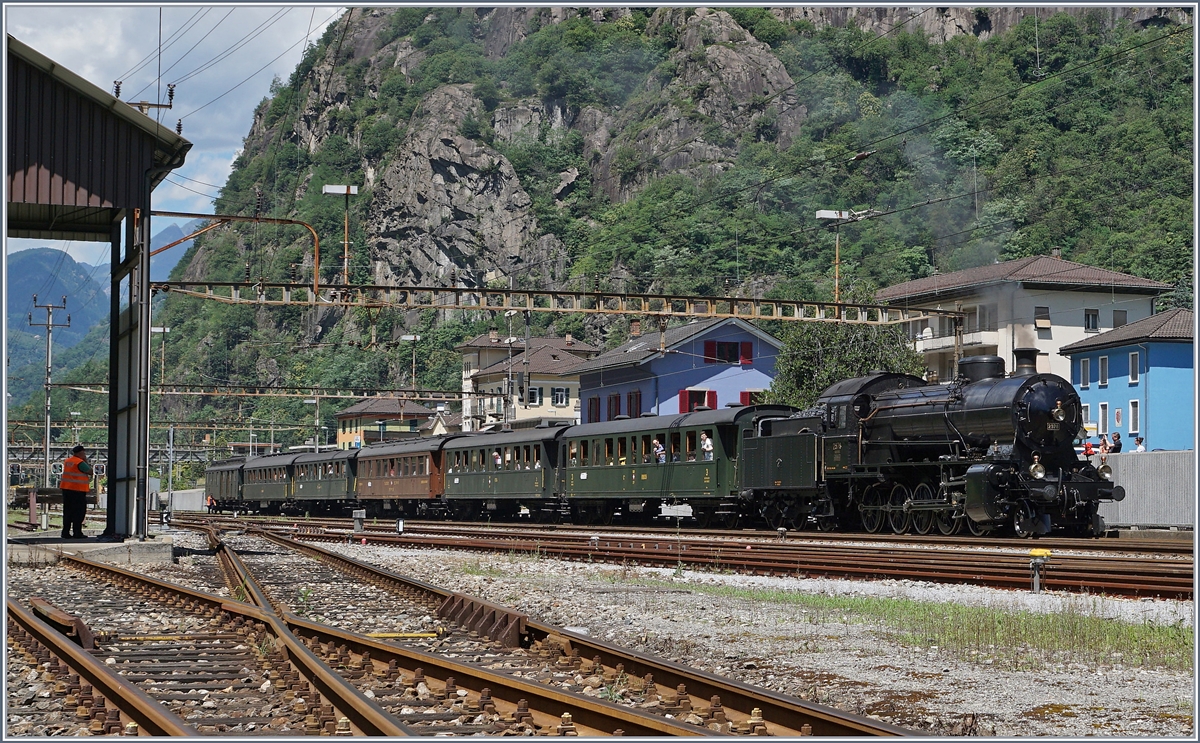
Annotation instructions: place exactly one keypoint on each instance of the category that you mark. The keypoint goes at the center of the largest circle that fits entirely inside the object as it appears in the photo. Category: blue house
(1139, 380)
(707, 363)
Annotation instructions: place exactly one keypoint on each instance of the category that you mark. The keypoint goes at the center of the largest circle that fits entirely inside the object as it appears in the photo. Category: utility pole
(49, 325)
(347, 191)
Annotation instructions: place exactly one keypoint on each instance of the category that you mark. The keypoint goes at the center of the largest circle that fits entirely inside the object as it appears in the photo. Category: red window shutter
(747, 354)
(683, 401)
(710, 352)
(744, 397)
(711, 399)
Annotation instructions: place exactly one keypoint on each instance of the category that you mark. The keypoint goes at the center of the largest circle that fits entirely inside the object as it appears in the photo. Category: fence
(1160, 489)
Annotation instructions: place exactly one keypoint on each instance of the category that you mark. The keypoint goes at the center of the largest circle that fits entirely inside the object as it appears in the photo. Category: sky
(207, 50)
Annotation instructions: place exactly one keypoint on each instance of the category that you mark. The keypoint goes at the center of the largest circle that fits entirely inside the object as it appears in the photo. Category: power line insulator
(453, 277)
(247, 272)
(179, 127)
(292, 272)
(170, 94)
(116, 88)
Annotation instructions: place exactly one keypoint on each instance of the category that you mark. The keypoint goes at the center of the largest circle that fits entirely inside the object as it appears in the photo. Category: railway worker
(75, 484)
(660, 452)
(212, 504)
(706, 446)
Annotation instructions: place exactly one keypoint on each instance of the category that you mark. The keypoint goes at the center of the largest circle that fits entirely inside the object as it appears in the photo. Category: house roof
(1173, 325)
(385, 406)
(542, 360)
(449, 420)
(644, 347)
(1038, 269)
(485, 341)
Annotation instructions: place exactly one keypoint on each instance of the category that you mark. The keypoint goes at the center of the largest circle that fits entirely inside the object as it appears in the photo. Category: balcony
(974, 336)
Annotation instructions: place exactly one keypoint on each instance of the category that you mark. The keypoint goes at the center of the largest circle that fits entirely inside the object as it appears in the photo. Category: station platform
(45, 548)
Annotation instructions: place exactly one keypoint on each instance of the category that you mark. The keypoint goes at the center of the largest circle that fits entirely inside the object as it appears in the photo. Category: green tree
(815, 355)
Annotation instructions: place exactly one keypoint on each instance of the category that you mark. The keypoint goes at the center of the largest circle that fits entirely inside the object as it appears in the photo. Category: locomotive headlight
(1058, 413)
(1037, 470)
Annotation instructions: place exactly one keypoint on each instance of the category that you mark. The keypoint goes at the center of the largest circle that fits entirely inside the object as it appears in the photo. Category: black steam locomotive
(891, 451)
(884, 451)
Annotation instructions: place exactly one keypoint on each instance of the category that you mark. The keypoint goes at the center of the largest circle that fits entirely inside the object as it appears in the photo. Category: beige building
(509, 383)
(1037, 302)
(379, 419)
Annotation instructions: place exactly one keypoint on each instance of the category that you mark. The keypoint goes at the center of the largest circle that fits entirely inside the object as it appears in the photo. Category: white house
(1037, 302)
(522, 385)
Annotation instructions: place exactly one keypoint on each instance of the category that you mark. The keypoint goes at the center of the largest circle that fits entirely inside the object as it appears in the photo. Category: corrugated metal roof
(1038, 269)
(1176, 324)
(77, 156)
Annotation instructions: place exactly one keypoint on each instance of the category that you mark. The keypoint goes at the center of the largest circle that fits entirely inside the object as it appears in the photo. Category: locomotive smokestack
(1025, 364)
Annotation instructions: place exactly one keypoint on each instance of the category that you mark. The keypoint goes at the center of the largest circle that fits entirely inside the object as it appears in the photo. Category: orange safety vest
(72, 478)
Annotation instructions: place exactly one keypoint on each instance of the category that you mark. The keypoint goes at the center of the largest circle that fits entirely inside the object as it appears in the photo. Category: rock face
(447, 200)
(723, 81)
(942, 24)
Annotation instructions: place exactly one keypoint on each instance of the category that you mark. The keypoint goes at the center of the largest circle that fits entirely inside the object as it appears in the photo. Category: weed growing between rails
(1007, 638)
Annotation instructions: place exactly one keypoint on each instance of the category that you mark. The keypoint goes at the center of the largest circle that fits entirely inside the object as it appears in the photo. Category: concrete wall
(1160, 489)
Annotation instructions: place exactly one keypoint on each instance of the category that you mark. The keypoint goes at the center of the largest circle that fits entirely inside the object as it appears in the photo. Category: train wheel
(466, 510)
(605, 514)
(977, 529)
(899, 519)
(946, 523)
(871, 510)
(774, 515)
(727, 518)
(827, 523)
(922, 521)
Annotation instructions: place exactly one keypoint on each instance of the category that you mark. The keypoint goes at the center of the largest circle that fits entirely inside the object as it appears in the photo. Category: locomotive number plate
(1052, 426)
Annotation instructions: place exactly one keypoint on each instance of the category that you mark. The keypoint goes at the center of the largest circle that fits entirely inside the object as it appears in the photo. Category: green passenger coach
(658, 465)
(502, 474)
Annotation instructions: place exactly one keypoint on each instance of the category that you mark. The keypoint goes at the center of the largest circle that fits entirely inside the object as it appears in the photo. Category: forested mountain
(682, 150)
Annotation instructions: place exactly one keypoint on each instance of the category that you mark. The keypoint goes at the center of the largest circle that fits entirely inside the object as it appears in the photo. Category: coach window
(608, 451)
(584, 447)
(622, 450)
(572, 454)
(690, 439)
(676, 449)
(647, 457)
(537, 456)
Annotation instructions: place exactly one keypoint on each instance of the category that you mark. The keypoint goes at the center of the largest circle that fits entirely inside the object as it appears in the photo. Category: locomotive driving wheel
(898, 518)
(947, 524)
(871, 509)
(977, 529)
(922, 520)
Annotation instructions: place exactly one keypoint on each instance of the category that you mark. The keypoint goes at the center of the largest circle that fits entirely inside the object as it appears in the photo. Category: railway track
(1145, 545)
(1109, 574)
(249, 665)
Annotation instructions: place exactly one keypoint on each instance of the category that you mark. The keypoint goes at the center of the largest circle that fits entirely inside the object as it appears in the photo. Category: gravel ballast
(843, 661)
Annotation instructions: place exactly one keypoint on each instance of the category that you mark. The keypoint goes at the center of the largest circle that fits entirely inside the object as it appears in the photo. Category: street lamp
(414, 339)
(252, 437)
(346, 191)
(326, 430)
(75, 424)
(316, 422)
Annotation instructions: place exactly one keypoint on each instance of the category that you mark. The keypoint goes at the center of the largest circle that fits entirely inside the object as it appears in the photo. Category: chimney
(635, 328)
(1056, 253)
(1025, 362)
(494, 335)
(570, 340)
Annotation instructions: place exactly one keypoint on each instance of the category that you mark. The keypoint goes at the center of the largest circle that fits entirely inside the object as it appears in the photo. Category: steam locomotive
(986, 452)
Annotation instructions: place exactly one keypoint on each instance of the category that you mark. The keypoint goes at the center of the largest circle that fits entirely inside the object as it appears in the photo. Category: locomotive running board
(495, 622)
